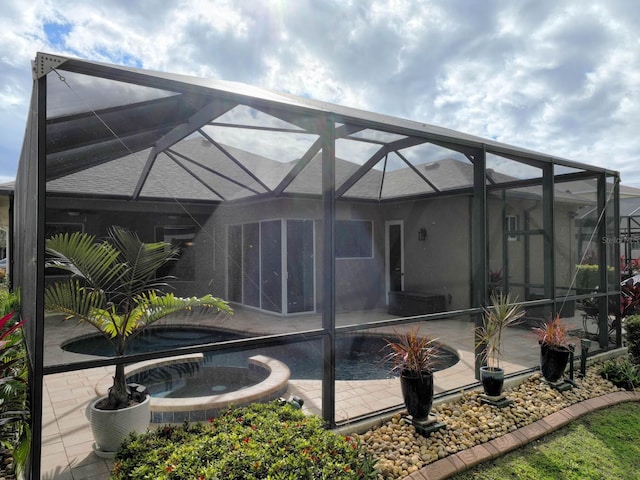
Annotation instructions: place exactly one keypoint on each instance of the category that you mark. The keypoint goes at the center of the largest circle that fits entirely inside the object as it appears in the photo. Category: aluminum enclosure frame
(325, 120)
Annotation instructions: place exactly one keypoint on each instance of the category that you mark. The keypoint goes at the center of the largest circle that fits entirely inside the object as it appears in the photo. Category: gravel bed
(400, 451)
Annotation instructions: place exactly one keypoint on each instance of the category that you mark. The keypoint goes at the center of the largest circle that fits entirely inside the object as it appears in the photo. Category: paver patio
(67, 440)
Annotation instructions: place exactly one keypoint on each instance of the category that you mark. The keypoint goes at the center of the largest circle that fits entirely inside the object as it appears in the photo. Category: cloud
(558, 77)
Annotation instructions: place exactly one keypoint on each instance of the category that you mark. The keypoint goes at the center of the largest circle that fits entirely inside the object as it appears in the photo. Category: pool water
(358, 356)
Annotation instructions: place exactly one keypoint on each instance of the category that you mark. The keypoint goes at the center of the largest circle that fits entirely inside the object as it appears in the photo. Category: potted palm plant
(503, 313)
(554, 348)
(415, 357)
(113, 287)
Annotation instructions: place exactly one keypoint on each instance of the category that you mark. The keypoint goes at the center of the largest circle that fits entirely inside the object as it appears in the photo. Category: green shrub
(15, 434)
(621, 372)
(632, 326)
(9, 301)
(588, 277)
(261, 441)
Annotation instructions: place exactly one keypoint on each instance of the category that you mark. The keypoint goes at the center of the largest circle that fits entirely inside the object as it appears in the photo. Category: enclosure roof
(630, 207)
(121, 176)
(121, 131)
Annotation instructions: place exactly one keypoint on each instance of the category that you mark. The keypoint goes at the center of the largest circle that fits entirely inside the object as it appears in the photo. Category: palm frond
(76, 301)
(22, 450)
(142, 260)
(504, 312)
(79, 254)
(152, 307)
(108, 321)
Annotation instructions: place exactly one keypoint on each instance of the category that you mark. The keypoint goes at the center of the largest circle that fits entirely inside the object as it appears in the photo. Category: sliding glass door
(271, 265)
(260, 252)
(300, 267)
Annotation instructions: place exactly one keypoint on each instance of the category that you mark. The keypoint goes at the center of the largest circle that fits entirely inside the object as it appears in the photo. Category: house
(267, 257)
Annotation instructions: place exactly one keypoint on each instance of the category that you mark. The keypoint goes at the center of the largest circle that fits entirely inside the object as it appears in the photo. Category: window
(55, 228)
(354, 239)
(183, 237)
(512, 226)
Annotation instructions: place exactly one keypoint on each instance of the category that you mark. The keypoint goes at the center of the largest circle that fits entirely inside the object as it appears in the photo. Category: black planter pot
(417, 391)
(553, 361)
(492, 379)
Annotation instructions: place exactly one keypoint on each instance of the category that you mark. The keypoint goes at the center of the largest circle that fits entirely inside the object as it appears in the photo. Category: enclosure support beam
(328, 139)
(603, 307)
(37, 354)
(479, 246)
(616, 255)
(526, 240)
(505, 244)
(549, 237)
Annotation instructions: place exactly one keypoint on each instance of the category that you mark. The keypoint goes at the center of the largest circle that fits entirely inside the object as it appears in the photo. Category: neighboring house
(629, 238)
(6, 199)
(630, 228)
(589, 190)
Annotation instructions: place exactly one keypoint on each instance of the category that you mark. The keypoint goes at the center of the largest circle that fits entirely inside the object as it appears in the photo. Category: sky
(559, 77)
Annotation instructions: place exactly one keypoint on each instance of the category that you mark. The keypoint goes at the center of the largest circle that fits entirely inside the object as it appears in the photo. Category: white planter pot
(111, 427)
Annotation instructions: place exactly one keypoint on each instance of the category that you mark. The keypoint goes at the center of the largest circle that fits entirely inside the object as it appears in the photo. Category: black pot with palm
(113, 286)
(503, 313)
(415, 357)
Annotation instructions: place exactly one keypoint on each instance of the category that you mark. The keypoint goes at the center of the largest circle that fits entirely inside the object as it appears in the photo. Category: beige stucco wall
(441, 263)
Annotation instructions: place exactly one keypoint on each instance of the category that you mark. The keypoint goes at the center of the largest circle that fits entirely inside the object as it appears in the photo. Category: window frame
(512, 225)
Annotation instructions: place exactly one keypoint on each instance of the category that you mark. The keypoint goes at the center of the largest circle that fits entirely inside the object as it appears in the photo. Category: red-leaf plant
(553, 333)
(629, 299)
(413, 352)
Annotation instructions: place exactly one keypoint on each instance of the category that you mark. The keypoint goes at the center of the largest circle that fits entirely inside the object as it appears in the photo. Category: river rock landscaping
(400, 451)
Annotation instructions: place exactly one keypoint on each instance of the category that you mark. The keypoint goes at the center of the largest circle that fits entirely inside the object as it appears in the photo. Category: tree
(113, 287)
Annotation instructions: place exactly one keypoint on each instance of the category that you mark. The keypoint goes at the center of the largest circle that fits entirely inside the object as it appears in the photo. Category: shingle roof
(198, 182)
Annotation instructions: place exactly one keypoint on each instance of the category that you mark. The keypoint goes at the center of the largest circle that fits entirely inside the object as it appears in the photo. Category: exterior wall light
(422, 234)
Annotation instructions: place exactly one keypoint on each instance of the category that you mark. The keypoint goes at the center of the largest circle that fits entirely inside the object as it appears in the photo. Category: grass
(601, 445)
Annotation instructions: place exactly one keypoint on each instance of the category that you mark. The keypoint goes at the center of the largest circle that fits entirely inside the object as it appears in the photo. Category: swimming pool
(358, 356)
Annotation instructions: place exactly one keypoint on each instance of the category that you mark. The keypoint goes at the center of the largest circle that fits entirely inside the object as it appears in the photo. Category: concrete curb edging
(465, 459)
